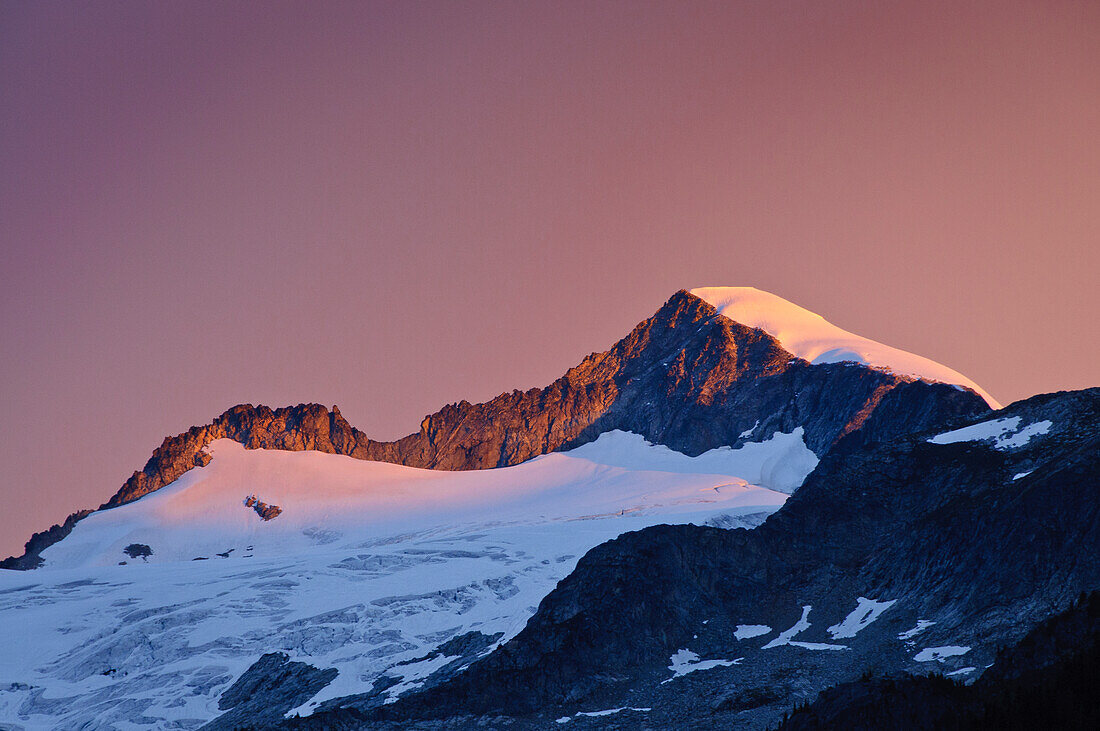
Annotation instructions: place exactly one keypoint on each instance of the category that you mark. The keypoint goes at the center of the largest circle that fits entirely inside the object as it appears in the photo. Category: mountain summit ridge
(686, 377)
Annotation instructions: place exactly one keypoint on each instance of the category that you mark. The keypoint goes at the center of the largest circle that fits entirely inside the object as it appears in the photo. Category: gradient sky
(392, 206)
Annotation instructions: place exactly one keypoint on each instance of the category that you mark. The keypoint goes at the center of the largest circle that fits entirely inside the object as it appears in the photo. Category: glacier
(369, 566)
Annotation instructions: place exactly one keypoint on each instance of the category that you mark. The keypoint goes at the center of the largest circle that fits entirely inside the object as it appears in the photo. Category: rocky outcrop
(270, 688)
(686, 377)
(262, 509)
(981, 542)
(39, 542)
(458, 652)
(294, 428)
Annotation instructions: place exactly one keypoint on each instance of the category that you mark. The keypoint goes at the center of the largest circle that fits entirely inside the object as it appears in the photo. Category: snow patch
(1022, 437)
(597, 714)
(1021, 475)
(922, 625)
(685, 661)
(866, 611)
(811, 337)
(413, 674)
(803, 624)
(939, 654)
(1005, 433)
(817, 645)
(784, 638)
(961, 671)
(745, 631)
(780, 462)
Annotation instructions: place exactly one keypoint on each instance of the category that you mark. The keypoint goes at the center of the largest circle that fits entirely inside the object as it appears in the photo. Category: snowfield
(1004, 433)
(369, 565)
(811, 337)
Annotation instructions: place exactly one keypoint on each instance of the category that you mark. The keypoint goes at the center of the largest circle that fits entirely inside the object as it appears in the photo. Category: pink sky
(391, 206)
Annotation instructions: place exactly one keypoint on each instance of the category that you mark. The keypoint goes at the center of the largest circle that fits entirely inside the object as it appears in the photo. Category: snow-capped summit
(811, 337)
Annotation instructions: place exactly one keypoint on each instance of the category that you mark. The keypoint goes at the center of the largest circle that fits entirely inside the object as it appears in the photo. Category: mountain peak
(810, 336)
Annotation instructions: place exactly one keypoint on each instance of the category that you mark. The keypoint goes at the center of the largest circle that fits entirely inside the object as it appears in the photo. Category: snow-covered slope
(369, 565)
(812, 337)
(203, 512)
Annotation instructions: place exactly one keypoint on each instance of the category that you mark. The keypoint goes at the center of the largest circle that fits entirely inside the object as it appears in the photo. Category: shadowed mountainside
(981, 540)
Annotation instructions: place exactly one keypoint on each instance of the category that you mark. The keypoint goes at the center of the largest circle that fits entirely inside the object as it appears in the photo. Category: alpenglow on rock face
(688, 377)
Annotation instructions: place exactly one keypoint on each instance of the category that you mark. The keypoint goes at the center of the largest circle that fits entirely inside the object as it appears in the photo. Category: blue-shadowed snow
(866, 611)
(1023, 436)
(412, 675)
(939, 654)
(960, 671)
(803, 624)
(921, 625)
(1021, 475)
(685, 661)
(745, 631)
(369, 566)
(1005, 433)
(785, 637)
(817, 645)
(780, 462)
(598, 714)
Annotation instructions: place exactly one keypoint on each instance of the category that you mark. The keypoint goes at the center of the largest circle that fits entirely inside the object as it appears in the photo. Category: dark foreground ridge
(686, 377)
(1048, 680)
(962, 548)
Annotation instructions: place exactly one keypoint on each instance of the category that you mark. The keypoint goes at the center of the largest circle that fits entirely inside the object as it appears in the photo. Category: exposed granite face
(984, 542)
(686, 377)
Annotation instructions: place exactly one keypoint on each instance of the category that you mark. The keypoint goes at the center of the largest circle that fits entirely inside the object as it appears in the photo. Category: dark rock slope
(686, 377)
(974, 542)
(267, 691)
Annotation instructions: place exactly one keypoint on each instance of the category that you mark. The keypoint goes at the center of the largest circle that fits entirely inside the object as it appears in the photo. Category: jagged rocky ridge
(686, 377)
(982, 540)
